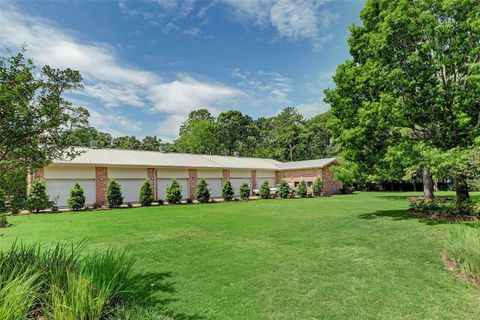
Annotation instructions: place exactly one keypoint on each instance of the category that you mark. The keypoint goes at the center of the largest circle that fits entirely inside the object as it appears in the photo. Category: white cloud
(109, 80)
(312, 108)
(192, 32)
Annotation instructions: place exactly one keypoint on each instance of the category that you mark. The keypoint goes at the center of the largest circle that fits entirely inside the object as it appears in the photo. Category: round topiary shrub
(76, 198)
(244, 191)
(202, 193)
(302, 189)
(227, 191)
(114, 194)
(174, 192)
(317, 187)
(145, 197)
(37, 197)
(264, 190)
(283, 189)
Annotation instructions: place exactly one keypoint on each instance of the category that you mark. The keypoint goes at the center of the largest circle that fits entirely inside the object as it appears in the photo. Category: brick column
(278, 177)
(152, 177)
(226, 175)
(33, 176)
(192, 182)
(254, 178)
(101, 180)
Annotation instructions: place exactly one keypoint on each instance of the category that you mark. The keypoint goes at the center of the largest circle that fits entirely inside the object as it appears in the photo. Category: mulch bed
(435, 216)
(452, 267)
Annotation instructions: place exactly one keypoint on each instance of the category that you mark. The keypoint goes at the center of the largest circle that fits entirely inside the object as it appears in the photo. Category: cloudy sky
(146, 64)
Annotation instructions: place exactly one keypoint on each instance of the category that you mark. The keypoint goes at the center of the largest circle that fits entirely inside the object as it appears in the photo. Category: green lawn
(344, 257)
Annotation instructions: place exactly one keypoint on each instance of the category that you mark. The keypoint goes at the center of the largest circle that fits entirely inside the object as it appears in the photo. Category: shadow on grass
(149, 293)
(405, 215)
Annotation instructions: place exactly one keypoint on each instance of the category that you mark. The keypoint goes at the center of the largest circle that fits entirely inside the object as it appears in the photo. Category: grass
(345, 257)
(463, 247)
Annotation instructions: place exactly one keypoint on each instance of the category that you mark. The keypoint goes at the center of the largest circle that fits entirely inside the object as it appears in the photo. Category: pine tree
(145, 197)
(76, 198)
(37, 198)
(302, 189)
(265, 190)
(283, 189)
(317, 187)
(244, 191)
(114, 194)
(227, 191)
(202, 193)
(174, 192)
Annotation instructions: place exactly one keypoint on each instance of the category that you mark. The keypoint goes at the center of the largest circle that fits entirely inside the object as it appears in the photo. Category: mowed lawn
(343, 257)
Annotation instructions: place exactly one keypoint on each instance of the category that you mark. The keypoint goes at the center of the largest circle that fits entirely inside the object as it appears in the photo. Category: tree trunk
(461, 187)
(427, 184)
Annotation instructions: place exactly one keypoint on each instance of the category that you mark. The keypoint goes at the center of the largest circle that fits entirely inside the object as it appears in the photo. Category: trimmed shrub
(244, 191)
(114, 194)
(302, 189)
(227, 191)
(37, 197)
(202, 193)
(264, 190)
(174, 192)
(317, 187)
(283, 189)
(76, 198)
(145, 197)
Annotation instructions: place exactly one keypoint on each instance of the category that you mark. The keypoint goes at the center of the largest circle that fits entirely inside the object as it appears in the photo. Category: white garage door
(215, 186)
(237, 182)
(130, 189)
(59, 189)
(271, 182)
(162, 187)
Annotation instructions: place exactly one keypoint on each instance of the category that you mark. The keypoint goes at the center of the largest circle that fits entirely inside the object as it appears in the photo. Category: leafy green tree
(174, 192)
(3, 202)
(407, 84)
(227, 191)
(37, 197)
(126, 142)
(145, 196)
(151, 143)
(34, 115)
(264, 190)
(317, 187)
(114, 194)
(286, 129)
(283, 189)
(82, 137)
(301, 189)
(199, 134)
(244, 191)
(76, 198)
(316, 141)
(235, 129)
(202, 193)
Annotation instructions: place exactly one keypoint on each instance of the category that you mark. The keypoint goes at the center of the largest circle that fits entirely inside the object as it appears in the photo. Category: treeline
(287, 136)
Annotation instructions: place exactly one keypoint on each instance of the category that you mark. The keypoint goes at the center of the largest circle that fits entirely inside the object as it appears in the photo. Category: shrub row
(452, 208)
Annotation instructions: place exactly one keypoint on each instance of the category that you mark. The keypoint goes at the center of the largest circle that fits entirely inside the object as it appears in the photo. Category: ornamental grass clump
(61, 283)
(463, 247)
(76, 198)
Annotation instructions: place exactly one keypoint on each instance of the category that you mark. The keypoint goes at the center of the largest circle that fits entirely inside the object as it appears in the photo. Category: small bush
(301, 189)
(317, 187)
(145, 197)
(227, 191)
(283, 189)
(37, 197)
(264, 190)
(76, 198)
(244, 191)
(202, 193)
(465, 207)
(3, 220)
(429, 206)
(174, 192)
(114, 194)
(463, 247)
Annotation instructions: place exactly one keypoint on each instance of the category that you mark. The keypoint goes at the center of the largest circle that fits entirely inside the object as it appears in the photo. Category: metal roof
(317, 163)
(123, 157)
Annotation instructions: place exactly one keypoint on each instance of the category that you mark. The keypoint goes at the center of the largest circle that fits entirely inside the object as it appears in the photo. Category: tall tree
(151, 143)
(126, 142)
(235, 129)
(286, 128)
(83, 136)
(198, 135)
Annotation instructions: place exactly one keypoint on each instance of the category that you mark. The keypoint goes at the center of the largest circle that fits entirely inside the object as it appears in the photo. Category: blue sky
(146, 64)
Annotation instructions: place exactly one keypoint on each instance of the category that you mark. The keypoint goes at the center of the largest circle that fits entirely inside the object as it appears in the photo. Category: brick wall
(278, 177)
(152, 177)
(253, 174)
(192, 182)
(330, 185)
(101, 180)
(226, 175)
(292, 176)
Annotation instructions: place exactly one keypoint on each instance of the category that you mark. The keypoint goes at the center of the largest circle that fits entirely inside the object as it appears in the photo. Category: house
(93, 167)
